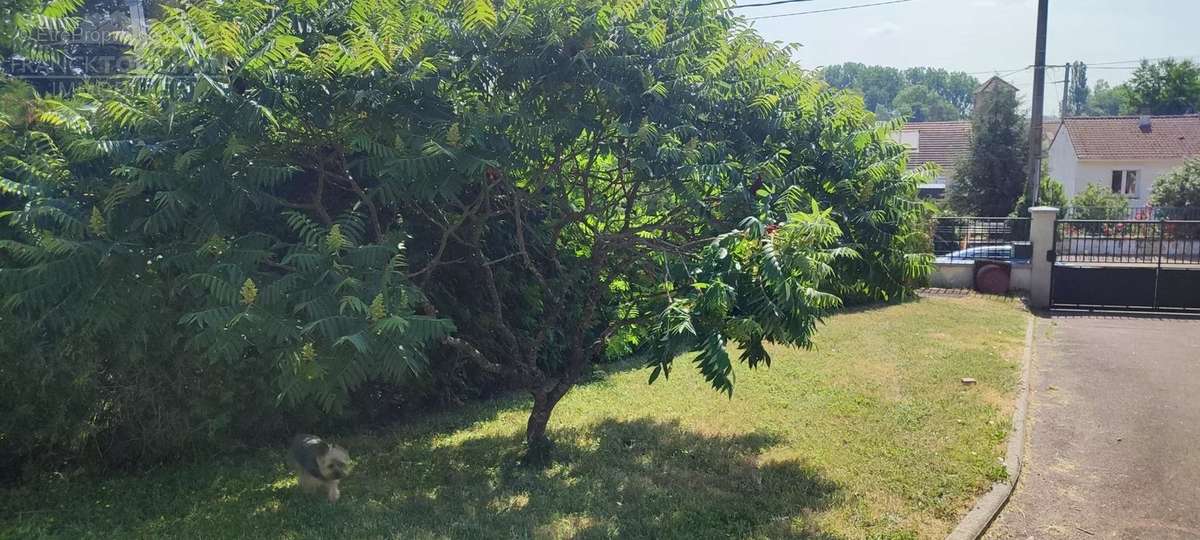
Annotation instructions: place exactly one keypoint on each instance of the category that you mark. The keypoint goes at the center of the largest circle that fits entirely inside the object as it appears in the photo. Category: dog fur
(320, 466)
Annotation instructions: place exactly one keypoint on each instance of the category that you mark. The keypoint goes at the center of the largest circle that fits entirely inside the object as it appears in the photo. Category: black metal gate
(1126, 265)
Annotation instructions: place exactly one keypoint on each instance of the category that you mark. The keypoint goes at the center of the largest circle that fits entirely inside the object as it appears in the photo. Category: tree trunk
(537, 444)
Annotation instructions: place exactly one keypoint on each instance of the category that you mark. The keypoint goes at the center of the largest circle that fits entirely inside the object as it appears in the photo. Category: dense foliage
(1164, 87)
(1179, 188)
(1079, 94)
(1051, 192)
(1099, 202)
(991, 178)
(22, 22)
(1108, 100)
(920, 104)
(920, 94)
(303, 209)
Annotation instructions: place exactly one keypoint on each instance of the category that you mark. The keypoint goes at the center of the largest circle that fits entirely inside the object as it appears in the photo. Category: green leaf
(479, 15)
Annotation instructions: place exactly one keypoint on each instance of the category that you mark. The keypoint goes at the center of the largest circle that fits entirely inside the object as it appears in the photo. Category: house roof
(943, 143)
(995, 83)
(1120, 137)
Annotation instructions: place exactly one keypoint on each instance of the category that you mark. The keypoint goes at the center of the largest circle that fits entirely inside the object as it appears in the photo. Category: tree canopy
(1108, 100)
(920, 104)
(1079, 94)
(1163, 87)
(306, 201)
(932, 93)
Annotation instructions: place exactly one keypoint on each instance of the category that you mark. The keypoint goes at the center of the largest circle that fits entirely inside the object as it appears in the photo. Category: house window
(1125, 183)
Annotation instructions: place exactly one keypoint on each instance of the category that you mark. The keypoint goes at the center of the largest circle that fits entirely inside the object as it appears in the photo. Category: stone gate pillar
(1041, 235)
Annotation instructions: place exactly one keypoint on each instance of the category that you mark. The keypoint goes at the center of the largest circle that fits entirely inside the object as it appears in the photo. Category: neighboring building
(1122, 153)
(994, 84)
(944, 143)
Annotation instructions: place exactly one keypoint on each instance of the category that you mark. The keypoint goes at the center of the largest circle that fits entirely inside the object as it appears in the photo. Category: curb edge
(988, 506)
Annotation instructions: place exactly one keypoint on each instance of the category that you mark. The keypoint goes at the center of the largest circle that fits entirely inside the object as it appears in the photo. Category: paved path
(1114, 444)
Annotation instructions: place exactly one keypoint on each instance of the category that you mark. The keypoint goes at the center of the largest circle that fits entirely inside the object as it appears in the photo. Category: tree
(1165, 87)
(341, 193)
(1179, 188)
(991, 178)
(881, 85)
(956, 87)
(1107, 100)
(878, 85)
(920, 104)
(1079, 94)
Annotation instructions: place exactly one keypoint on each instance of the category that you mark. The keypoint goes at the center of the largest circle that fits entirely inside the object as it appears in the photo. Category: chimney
(1144, 123)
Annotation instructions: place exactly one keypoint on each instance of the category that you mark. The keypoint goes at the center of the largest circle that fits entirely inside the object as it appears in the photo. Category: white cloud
(886, 28)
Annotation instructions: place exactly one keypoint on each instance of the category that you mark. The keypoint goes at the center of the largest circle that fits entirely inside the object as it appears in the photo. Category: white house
(1123, 153)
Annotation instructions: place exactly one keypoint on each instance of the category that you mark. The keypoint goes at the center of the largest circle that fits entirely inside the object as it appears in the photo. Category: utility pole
(1066, 91)
(1033, 182)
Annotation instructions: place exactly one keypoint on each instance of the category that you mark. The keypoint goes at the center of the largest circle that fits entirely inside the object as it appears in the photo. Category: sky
(987, 37)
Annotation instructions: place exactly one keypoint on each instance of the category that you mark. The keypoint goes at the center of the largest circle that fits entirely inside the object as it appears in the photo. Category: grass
(870, 435)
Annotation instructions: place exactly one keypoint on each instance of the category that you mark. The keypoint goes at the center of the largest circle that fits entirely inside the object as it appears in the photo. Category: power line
(827, 10)
(1089, 65)
(1140, 60)
(997, 72)
(762, 4)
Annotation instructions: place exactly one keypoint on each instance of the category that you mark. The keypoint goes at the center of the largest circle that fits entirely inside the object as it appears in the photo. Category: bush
(1050, 193)
(1097, 202)
(1180, 188)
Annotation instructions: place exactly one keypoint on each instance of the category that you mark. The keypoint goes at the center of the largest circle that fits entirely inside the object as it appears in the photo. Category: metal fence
(1128, 242)
(1135, 213)
(970, 238)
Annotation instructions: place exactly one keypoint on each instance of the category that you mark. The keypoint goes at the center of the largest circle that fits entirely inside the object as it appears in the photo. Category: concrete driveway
(1114, 444)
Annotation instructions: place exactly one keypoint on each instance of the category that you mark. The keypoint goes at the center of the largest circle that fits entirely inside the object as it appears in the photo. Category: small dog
(319, 465)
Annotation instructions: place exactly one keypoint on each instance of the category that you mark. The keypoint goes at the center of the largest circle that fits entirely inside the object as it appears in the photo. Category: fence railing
(971, 238)
(1128, 241)
(1136, 213)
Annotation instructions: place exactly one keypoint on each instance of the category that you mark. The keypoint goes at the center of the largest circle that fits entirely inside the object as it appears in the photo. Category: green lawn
(870, 435)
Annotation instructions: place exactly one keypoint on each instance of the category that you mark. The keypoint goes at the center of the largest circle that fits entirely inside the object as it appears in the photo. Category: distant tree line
(926, 94)
(1163, 87)
(919, 94)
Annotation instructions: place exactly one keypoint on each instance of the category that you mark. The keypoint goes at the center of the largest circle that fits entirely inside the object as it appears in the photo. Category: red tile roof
(943, 143)
(1119, 137)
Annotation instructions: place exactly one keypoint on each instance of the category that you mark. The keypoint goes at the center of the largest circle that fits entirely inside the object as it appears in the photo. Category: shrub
(1050, 193)
(1097, 202)
(1179, 188)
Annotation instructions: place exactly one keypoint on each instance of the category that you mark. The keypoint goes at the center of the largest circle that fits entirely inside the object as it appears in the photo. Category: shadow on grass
(635, 478)
(620, 478)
